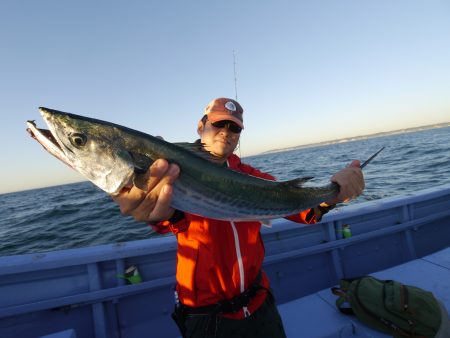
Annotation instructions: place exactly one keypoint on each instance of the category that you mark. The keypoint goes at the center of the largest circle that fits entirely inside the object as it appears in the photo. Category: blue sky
(307, 71)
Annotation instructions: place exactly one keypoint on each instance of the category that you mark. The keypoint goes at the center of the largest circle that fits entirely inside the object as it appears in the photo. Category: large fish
(113, 156)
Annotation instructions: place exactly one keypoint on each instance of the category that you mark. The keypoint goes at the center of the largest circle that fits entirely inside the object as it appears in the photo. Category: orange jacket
(218, 260)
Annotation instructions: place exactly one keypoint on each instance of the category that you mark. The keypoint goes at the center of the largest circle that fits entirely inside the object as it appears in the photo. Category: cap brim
(222, 117)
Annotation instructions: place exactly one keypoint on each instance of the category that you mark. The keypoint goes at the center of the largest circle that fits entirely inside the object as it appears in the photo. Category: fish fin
(141, 181)
(267, 223)
(141, 164)
(298, 182)
(198, 149)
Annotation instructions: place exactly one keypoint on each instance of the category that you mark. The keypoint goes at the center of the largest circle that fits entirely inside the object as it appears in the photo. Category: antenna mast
(235, 77)
(235, 91)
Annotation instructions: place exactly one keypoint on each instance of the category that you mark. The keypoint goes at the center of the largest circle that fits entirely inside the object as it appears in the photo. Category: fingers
(162, 209)
(151, 208)
(355, 164)
(128, 199)
(157, 171)
(153, 205)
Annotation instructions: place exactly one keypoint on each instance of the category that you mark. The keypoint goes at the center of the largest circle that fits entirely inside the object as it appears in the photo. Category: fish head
(95, 149)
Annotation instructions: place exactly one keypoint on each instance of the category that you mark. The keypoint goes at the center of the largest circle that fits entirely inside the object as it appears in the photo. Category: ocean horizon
(80, 214)
(360, 137)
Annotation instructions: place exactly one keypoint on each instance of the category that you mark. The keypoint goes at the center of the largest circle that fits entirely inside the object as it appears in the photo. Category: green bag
(394, 308)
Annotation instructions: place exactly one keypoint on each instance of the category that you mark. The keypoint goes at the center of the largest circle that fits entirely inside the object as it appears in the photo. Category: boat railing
(82, 288)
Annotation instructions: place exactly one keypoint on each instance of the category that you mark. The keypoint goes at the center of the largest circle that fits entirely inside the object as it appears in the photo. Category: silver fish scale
(193, 199)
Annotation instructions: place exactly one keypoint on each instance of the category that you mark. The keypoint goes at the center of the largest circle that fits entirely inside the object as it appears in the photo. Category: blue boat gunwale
(314, 257)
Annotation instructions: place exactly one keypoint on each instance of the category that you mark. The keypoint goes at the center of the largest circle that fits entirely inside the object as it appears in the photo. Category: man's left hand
(351, 183)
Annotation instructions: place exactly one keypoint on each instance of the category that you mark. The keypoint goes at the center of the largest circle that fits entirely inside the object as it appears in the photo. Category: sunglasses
(232, 126)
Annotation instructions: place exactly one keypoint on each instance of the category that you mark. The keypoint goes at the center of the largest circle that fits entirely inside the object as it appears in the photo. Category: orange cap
(225, 109)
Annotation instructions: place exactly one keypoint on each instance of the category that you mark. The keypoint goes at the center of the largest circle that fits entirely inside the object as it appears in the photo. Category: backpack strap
(341, 292)
(345, 310)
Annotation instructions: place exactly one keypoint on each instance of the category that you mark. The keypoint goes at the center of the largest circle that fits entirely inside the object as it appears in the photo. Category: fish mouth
(46, 139)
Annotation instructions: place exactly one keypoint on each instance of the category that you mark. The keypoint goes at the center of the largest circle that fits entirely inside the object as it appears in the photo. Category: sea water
(80, 214)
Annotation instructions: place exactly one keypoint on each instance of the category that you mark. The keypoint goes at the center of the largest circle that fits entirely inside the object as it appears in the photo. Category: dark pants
(263, 323)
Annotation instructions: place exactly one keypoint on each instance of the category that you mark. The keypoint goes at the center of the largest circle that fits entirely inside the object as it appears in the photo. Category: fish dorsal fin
(297, 182)
(197, 149)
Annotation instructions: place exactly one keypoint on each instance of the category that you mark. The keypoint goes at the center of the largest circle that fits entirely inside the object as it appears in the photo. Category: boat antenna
(236, 96)
(235, 77)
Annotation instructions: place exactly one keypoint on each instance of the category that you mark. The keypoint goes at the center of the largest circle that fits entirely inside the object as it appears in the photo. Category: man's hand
(351, 182)
(153, 205)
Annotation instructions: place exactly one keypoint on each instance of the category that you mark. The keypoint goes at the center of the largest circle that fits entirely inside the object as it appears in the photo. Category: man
(221, 288)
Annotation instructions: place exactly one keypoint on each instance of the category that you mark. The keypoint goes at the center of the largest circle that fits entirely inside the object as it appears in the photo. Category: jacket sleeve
(309, 216)
(164, 227)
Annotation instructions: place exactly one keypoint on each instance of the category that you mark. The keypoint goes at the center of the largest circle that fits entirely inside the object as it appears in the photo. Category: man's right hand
(153, 205)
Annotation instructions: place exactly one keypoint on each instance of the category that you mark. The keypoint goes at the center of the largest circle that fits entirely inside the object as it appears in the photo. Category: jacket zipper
(240, 264)
(239, 258)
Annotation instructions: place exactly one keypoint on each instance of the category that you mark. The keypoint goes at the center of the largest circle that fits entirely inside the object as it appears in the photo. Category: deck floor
(316, 316)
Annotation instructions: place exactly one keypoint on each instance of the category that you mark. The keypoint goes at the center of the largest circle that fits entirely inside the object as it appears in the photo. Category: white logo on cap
(230, 106)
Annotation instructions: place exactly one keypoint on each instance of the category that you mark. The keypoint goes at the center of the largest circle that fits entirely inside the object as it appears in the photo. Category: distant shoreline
(357, 138)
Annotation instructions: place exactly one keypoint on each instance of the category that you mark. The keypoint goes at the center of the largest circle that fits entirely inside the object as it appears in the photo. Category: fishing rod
(236, 95)
(235, 77)
(371, 158)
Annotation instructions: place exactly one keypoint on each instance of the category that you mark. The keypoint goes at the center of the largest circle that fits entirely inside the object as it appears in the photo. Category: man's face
(220, 142)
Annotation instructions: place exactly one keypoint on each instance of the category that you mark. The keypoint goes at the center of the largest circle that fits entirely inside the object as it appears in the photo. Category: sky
(306, 71)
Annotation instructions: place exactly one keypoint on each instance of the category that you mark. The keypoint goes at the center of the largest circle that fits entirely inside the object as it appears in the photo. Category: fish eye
(78, 140)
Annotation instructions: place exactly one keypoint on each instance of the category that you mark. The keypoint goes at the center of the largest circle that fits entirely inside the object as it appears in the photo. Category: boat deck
(316, 316)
